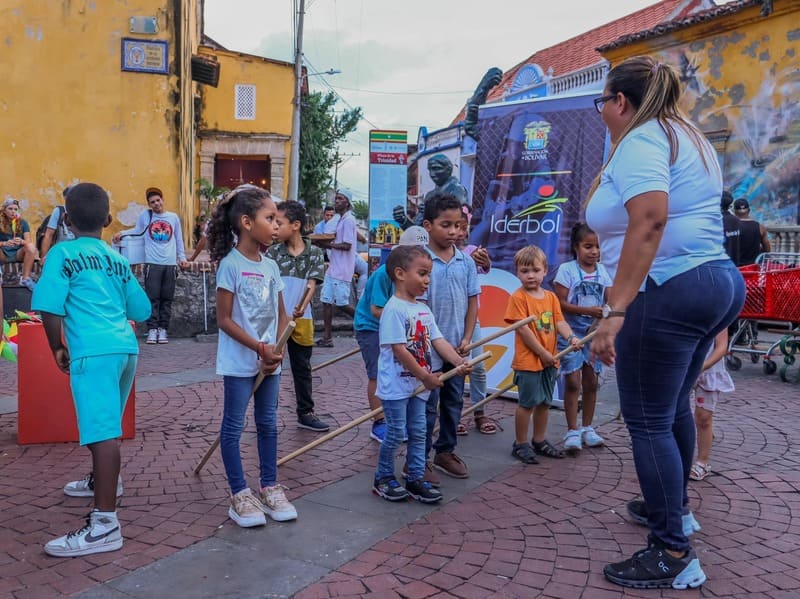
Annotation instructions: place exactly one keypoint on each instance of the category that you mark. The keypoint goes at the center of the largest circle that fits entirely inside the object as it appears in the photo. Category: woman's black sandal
(546, 449)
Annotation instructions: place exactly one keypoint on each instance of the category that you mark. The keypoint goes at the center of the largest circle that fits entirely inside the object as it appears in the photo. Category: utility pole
(294, 153)
(337, 160)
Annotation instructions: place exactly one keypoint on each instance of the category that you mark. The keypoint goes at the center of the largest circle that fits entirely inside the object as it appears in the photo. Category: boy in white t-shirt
(407, 333)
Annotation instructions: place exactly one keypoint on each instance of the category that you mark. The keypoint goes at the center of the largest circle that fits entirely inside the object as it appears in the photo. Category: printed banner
(388, 160)
(535, 163)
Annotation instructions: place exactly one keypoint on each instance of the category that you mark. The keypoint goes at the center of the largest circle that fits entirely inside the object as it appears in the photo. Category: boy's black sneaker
(654, 568)
(423, 492)
(312, 423)
(389, 489)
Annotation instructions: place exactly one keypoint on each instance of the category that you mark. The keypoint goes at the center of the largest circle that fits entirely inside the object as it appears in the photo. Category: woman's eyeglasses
(601, 101)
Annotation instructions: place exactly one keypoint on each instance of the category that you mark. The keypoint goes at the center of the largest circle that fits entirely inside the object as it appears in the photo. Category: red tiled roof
(680, 23)
(580, 51)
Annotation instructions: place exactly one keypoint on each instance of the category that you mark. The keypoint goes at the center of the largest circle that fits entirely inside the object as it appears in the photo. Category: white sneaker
(591, 438)
(85, 487)
(152, 337)
(162, 336)
(276, 505)
(102, 533)
(572, 441)
(245, 510)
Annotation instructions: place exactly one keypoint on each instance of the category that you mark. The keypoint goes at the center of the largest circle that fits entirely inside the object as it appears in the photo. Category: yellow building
(103, 92)
(740, 64)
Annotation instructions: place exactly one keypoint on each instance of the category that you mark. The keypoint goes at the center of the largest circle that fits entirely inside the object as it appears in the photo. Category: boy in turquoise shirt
(90, 291)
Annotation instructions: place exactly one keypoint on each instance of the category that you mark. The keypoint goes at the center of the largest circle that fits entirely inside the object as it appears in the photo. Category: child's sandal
(524, 453)
(461, 429)
(485, 425)
(546, 449)
(699, 471)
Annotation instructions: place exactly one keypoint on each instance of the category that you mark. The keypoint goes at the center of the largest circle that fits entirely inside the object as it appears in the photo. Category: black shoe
(389, 489)
(654, 568)
(312, 423)
(423, 492)
(637, 510)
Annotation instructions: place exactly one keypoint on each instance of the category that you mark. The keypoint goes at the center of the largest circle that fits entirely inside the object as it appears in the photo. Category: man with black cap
(753, 238)
(730, 227)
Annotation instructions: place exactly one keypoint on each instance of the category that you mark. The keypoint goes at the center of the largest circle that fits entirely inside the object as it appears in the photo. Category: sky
(406, 63)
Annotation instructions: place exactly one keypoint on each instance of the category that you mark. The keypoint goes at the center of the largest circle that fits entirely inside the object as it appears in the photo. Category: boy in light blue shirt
(90, 292)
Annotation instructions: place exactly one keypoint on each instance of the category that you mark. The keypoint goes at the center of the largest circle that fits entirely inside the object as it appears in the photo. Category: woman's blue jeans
(402, 415)
(661, 348)
(237, 391)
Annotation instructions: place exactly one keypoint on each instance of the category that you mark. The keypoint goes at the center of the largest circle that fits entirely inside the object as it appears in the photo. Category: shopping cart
(773, 294)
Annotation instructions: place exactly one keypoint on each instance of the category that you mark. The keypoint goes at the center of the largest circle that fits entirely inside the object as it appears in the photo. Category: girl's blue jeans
(661, 348)
(237, 391)
(402, 414)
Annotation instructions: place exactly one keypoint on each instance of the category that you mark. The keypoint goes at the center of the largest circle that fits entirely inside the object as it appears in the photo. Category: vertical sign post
(388, 166)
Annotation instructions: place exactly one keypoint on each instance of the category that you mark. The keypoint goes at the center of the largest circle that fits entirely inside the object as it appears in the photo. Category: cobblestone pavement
(531, 531)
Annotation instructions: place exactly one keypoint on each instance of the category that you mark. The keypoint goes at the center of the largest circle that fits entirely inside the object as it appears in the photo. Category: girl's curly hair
(223, 229)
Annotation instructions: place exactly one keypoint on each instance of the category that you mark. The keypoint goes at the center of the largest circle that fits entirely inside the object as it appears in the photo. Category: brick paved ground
(566, 518)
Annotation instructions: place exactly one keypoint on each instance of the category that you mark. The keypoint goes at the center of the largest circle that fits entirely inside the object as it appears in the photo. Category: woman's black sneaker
(422, 491)
(654, 568)
(389, 489)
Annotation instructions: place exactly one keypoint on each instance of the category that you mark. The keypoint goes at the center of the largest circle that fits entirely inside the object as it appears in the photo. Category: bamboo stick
(500, 333)
(352, 352)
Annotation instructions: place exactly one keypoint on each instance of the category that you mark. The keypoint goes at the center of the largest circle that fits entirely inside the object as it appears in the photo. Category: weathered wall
(68, 112)
(742, 76)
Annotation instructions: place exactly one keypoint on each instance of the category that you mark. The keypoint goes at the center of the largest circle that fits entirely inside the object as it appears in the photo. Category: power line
(393, 93)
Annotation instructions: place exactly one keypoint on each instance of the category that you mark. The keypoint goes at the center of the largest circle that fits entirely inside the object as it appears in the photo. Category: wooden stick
(581, 343)
(307, 295)
(454, 372)
(499, 392)
(352, 352)
(287, 332)
(500, 333)
(376, 412)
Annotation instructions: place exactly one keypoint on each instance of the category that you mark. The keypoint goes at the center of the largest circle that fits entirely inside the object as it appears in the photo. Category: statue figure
(441, 171)
(492, 77)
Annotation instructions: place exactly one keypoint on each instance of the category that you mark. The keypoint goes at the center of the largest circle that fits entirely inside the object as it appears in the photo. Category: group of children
(418, 319)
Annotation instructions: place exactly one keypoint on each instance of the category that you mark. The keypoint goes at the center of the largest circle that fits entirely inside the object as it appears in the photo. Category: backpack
(43, 228)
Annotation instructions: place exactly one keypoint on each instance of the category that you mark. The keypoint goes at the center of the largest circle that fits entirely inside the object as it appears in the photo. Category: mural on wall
(754, 101)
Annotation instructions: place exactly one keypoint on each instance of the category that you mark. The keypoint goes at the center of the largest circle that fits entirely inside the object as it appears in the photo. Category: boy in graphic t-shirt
(89, 290)
(407, 333)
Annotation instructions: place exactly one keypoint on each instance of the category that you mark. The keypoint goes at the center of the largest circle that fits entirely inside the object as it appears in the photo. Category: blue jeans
(449, 398)
(401, 414)
(477, 379)
(667, 333)
(237, 391)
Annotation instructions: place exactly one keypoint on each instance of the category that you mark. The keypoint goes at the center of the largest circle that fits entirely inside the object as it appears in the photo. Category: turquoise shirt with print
(377, 292)
(94, 290)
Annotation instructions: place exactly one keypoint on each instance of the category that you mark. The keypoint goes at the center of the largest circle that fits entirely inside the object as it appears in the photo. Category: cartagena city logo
(544, 216)
(536, 137)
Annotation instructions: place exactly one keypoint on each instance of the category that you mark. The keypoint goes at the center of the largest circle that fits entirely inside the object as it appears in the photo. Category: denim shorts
(575, 360)
(535, 388)
(335, 291)
(100, 388)
(369, 343)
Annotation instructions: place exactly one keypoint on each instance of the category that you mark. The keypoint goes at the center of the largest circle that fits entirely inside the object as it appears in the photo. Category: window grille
(245, 102)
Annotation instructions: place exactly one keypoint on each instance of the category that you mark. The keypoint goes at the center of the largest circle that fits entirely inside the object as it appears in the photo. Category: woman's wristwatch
(609, 312)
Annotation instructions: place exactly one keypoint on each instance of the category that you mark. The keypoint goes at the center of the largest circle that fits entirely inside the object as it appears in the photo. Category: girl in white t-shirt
(250, 312)
(580, 286)
(713, 381)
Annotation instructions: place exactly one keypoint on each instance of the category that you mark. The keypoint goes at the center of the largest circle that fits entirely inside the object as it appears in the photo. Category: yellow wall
(274, 83)
(68, 112)
(741, 76)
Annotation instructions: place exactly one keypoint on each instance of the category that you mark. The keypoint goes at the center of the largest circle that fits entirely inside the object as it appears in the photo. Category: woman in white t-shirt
(655, 207)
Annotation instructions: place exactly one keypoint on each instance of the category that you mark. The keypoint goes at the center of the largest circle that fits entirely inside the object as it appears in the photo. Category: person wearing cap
(342, 259)
(164, 253)
(15, 241)
(57, 229)
(753, 238)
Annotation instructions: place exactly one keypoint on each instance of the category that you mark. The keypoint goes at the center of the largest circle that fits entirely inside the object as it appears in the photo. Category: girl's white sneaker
(275, 504)
(591, 438)
(245, 510)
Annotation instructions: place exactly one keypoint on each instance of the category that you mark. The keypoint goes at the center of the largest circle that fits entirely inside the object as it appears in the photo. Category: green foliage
(321, 130)
(361, 210)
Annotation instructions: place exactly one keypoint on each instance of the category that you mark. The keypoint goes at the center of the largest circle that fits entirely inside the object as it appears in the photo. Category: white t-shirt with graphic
(163, 238)
(255, 286)
(586, 290)
(410, 323)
